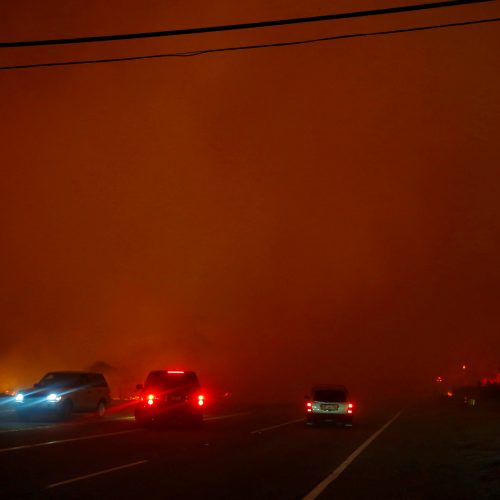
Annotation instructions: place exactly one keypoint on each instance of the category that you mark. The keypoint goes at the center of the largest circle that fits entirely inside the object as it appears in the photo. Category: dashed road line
(37, 428)
(265, 429)
(222, 417)
(81, 438)
(98, 436)
(94, 474)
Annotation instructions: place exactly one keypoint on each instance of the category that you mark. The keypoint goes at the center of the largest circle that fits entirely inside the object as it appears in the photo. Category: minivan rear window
(330, 396)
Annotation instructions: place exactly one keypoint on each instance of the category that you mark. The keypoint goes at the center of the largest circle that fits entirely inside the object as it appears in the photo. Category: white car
(329, 403)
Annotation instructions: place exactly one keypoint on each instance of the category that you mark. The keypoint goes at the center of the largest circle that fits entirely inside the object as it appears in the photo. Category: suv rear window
(165, 380)
(330, 396)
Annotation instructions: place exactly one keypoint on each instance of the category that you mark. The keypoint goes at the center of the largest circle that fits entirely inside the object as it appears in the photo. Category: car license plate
(329, 407)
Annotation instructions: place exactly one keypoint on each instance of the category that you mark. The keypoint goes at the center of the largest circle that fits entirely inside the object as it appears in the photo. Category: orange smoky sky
(270, 218)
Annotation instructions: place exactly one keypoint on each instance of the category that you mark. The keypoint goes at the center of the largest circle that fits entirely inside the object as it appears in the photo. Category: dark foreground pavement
(432, 450)
(441, 450)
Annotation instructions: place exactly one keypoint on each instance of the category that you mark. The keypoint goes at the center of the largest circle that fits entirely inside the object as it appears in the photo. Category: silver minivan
(59, 394)
(329, 403)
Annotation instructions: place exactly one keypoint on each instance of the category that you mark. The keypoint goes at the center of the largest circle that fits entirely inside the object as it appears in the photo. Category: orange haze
(269, 218)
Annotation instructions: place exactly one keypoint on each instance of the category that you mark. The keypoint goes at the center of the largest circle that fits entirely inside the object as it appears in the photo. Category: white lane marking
(100, 473)
(28, 429)
(264, 429)
(221, 417)
(81, 438)
(319, 488)
(97, 436)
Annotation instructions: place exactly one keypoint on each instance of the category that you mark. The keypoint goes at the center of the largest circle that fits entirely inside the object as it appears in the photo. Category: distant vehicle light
(201, 400)
(175, 371)
(439, 379)
(53, 397)
(19, 398)
(449, 394)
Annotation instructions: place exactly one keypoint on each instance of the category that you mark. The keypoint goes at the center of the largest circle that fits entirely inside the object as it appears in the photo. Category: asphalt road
(429, 450)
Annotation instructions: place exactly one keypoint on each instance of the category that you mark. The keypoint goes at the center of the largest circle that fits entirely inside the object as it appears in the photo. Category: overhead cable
(250, 47)
(244, 26)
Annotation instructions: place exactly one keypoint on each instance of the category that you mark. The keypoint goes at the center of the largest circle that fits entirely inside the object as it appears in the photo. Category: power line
(250, 47)
(243, 26)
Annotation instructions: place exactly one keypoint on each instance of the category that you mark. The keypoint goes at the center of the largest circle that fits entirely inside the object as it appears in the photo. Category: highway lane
(242, 452)
(246, 452)
(436, 450)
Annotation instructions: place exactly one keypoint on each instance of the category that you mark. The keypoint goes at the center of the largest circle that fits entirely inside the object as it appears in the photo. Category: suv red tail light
(309, 407)
(151, 399)
(350, 407)
(201, 400)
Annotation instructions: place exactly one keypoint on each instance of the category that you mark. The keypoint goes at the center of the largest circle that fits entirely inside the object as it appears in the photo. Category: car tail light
(309, 407)
(175, 371)
(350, 407)
(201, 400)
(151, 399)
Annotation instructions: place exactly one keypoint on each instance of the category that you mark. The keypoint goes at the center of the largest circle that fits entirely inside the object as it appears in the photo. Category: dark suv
(59, 394)
(170, 396)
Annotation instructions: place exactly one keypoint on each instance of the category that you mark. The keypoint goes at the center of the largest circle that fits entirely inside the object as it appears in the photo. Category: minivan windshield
(60, 379)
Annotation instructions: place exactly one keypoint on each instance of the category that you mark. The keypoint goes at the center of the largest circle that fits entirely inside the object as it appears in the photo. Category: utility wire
(249, 47)
(243, 26)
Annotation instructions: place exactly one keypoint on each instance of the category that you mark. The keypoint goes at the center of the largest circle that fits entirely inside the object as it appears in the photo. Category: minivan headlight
(19, 398)
(53, 397)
